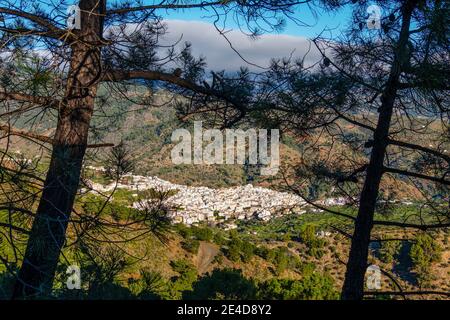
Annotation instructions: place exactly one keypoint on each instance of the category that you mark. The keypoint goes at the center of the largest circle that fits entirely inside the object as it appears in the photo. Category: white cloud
(207, 41)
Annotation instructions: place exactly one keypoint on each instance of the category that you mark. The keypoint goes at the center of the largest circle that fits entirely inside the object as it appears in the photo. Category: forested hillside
(100, 198)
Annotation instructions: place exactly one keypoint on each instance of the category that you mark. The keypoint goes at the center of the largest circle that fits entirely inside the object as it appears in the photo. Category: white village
(216, 206)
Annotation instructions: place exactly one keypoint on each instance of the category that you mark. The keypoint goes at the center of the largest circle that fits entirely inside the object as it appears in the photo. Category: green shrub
(219, 239)
(202, 234)
(152, 285)
(227, 284)
(183, 282)
(183, 230)
(262, 252)
(233, 250)
(314, 244)
(313, 286)
(423, 253)
(282, 259)
(316, 252)
(218, 258)
(389, 250)
(247, 251)
(191, 245)
(308, 235)
(239, 250)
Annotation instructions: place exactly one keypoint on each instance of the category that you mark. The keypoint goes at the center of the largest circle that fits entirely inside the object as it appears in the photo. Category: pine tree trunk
(48, 233)
(353, 288)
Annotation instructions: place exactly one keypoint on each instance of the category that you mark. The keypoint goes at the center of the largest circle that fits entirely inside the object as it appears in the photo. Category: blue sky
(323, 20)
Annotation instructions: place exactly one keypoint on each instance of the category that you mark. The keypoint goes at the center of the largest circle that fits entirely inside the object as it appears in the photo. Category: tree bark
(353, 288)
(48, 233)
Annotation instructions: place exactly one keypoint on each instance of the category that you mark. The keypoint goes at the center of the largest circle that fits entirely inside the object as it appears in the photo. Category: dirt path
(206, 253)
